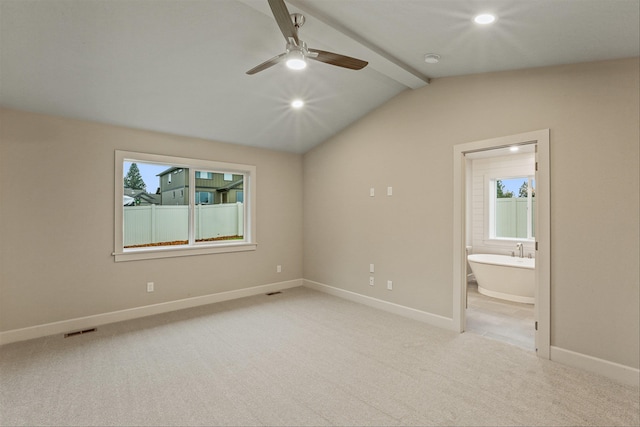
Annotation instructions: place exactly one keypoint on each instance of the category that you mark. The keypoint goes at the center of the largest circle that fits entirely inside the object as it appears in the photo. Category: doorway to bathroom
(501, 208)
(500, 244)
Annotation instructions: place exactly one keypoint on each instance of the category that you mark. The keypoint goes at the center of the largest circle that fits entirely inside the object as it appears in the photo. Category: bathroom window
(181, 217)
(512, 208)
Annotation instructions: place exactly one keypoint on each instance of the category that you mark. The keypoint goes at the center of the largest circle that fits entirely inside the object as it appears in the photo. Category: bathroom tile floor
(507, 321)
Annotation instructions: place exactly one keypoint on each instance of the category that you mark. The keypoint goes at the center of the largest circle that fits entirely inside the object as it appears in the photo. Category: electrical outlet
(278, 269)
(371, 280)
(372, 192)
(389, 191)
(150, 287)
(389, 285)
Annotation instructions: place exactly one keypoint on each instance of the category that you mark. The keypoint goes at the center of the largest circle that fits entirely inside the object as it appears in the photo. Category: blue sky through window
(514, 185)
(148, 172)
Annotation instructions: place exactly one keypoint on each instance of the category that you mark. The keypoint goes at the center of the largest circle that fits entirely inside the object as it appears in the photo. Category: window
(228, 177)
(204, 175)
(181, 218)
(204, 198)
(512, 207)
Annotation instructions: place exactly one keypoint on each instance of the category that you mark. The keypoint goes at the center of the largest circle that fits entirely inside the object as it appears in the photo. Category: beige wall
(57, 222)
(55, 252)
(592, 111)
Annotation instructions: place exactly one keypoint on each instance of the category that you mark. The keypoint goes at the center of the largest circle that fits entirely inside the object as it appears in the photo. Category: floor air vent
(273, 293)
(84, 331)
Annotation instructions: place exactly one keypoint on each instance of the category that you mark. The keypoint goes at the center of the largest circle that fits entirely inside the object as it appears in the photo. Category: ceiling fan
(297, 51)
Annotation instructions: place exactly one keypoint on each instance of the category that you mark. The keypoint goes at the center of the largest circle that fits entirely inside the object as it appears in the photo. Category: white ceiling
(178, 66)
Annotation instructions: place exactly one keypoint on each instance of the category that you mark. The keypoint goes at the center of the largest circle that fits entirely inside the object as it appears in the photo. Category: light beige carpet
(296, 358)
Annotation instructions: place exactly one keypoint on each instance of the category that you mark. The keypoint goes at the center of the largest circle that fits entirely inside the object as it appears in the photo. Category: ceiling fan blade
(283, 18)
(337, 59)
(266, 64)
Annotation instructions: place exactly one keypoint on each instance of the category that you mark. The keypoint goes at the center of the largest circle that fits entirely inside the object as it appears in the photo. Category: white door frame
(543, 230)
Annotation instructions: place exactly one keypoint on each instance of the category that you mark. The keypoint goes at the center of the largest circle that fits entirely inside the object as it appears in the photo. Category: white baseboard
(412, 313)
(80, 323)
(615, 371)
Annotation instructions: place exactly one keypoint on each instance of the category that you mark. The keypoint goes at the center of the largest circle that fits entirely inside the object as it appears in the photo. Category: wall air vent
(84, 331)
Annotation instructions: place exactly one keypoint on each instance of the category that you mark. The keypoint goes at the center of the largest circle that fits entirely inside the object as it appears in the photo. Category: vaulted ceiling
(179, 66)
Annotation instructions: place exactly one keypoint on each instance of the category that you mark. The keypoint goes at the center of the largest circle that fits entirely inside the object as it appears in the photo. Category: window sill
(172, 252)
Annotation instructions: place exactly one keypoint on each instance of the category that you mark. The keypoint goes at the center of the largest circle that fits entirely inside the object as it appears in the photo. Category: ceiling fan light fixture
(295, 60)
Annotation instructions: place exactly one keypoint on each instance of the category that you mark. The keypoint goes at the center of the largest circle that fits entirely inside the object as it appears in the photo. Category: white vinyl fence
(511, 217)
(157, 223)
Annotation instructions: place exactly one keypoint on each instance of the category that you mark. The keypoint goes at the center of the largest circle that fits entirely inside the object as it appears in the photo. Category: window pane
(533, 207)
(511, 208)
(159, 217)
(223, 217)
(204, 175)
(204, 198)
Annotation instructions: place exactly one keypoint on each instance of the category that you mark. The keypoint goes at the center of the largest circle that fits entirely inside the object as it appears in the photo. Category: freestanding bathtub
(505, 277)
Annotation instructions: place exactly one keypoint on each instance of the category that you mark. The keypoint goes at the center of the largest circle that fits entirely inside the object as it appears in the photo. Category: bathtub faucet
(520, 248)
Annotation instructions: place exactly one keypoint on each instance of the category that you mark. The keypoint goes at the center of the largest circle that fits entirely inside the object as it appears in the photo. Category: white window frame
(193, 248)
(490, 206)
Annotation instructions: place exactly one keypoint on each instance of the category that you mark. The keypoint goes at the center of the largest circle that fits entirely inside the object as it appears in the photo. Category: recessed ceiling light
(432, 58)
(514, 149)
(484, 18)
(297, 103)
